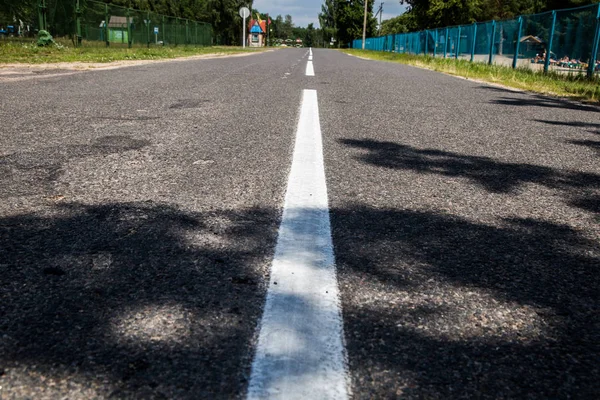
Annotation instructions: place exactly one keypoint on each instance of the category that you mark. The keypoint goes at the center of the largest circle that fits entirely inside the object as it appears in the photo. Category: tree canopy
(343, 20)
(428, 14)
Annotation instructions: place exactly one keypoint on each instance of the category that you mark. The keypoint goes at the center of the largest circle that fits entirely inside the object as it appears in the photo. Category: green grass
(563, 85)
(23, 51)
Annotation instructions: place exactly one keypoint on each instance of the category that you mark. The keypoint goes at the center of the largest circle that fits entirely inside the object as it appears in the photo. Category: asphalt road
(139, 211)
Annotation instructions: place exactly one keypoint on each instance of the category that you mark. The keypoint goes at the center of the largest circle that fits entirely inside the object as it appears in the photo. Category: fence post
(518, 44)
(426, 42)
(549, 49)
(187, 32)
(595, 43)
(148, 27)
(435, 41)
(77, 24)
(492, 40)
(474, 42)
(458, 42)
(42, 15)
(106, 18)
(446, 43)
(129, 39)
(163, 30)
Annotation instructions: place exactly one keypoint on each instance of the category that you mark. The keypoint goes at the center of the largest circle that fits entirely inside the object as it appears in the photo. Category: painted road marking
(300, 352)
(309, 69)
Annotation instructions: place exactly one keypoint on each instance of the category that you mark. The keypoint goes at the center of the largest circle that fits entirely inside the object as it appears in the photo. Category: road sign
(156, 30)
(244, 12)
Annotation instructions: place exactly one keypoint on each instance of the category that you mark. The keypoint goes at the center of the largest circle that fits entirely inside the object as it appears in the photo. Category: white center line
(300, 352)
(309, 69)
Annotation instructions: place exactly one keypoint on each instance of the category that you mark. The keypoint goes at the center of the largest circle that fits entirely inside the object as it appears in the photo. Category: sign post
(244, 13)
(156, 35)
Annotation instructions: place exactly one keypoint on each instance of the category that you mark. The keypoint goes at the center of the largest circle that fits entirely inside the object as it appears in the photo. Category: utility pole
(380, 13)
(365, 25)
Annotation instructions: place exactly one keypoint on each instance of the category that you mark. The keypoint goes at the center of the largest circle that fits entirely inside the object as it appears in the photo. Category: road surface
(147, 214)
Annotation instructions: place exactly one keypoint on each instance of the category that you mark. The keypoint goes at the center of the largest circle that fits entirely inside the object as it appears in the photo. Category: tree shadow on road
(575, 124)
(490, 174)
(436, 306)
(131, 300)
(537, 100)
(592, 144)
(143, 300)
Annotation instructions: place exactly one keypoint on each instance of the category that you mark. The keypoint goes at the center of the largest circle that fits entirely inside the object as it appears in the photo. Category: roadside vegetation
(64, 51)
(574, 85)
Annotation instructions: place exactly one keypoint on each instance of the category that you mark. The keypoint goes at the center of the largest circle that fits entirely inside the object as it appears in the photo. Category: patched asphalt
(139, 210)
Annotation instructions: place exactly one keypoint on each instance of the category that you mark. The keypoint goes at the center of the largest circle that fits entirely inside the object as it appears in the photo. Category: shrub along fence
(561, 40)
(88, 20)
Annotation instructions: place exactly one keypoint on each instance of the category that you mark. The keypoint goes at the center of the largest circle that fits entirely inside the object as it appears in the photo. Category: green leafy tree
(440, 13)
(400, 24)
(287, 27)
(309, 37)
(327, 21)
(343, 20)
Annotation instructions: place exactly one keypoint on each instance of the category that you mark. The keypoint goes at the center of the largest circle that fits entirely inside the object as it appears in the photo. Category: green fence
(572, 37)
(95, 21)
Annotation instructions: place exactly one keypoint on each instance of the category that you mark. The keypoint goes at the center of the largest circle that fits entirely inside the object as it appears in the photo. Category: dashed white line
(300, 352)
(309, 69)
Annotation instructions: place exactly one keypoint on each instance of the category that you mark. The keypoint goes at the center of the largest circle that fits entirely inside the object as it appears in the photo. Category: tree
(343, 20)
(286, 27)
(400, 24)
(349, 21)
(226, 22)
(327, 21)
(309, 36)
(441, 13)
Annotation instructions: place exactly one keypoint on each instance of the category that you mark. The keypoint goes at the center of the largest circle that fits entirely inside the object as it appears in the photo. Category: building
(257, 33)
(117, 29)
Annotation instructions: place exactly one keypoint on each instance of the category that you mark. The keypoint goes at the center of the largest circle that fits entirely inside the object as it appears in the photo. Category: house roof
(254, 23)
(531, 39)
(117, 22)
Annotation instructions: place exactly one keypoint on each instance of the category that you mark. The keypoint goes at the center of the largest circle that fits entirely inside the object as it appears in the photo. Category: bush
(44, 38)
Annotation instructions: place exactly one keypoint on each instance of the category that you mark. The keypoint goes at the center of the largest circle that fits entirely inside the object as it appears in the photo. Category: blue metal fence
(562, 40)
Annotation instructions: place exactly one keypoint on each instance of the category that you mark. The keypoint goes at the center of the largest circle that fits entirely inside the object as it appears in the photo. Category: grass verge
(575, 86)
(29, 53)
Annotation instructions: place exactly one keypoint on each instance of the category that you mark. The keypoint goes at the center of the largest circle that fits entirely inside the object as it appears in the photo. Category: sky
(304, 12)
